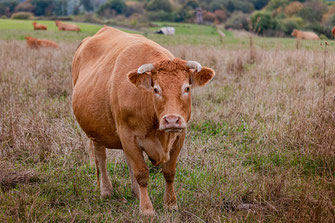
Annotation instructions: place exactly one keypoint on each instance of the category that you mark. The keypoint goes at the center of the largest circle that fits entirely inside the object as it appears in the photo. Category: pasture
(260, 144)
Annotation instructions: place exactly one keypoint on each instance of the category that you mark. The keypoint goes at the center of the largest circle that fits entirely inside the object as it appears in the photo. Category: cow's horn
(145, 68)
(194, 65)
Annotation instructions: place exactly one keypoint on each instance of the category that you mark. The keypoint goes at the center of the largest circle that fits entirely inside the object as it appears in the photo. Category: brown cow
(37, 43)
(66, 27)
(130, 93)
(39, 26)
(333, 31)
(304, 35)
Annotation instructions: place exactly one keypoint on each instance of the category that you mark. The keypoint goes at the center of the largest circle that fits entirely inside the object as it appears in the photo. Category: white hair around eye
(186, 89)
(157, 90)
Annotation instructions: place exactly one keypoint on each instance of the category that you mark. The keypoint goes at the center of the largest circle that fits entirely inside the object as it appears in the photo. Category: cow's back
(100, 65)
(307, 35)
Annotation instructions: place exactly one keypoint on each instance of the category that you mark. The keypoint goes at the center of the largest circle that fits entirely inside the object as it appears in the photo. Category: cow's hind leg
(93, 162)
(169, 171)
(101, 166)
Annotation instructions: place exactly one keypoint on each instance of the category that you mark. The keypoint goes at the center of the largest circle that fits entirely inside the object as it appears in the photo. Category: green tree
(41, 6)
(156, 5)
(262, 21)
(193, 4)
(313, 11)
(259, 4)
(274, 4)
(118, 6)
(87, 5)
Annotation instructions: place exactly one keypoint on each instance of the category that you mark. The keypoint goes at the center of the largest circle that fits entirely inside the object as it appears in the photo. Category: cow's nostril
(178, 120)
(166, 121)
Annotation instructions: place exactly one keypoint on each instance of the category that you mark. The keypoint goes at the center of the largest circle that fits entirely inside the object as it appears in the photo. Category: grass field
(186, 34)
(260, 144)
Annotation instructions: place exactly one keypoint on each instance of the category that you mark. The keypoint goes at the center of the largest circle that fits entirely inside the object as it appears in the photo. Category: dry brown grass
(259, 147)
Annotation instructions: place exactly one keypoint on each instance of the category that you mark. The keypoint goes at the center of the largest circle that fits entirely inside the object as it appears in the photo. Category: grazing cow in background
(132, 94)
(37, 43)
(39, 26)
(333, 31)
(304, 35)
(66, 27)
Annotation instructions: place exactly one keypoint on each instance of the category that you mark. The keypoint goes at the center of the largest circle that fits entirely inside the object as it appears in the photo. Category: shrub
(22, 15)
(184, 15)
(134, 7)
(42, 7)
(162, 16)
(313, 11)
(327, 17)
(159, 5)
(289, 24)
(88, 17)
(259, 4)
(323, 37)
(63, 18)
(331, 21)
(25, 6)
(220, 16)
(112, 7)
(243, 6)
(215, 6)
(262, 21)
(238, 20)
(319, 29)
(274, 4)
(208, 16)
(293, 8)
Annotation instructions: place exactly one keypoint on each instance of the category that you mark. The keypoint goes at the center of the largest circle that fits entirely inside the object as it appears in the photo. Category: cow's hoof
(147, 212)
(106, 192)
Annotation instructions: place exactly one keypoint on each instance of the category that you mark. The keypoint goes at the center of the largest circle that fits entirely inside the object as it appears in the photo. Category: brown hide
(66, 27)
(120, 107)
(333, 31)
(39, 26)
(304, 35)
(37, 43)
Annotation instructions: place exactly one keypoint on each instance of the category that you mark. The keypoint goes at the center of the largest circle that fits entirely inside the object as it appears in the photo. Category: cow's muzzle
(172, 123)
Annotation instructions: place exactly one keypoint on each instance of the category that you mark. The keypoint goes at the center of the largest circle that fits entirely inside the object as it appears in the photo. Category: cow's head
(170, 82)
(29, 38)
(294, 32)
(57, 22)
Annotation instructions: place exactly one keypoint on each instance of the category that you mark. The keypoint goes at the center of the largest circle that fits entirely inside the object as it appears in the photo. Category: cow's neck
(157, 145)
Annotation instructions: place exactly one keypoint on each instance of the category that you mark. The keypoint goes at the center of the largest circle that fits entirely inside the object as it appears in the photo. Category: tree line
(265, 17)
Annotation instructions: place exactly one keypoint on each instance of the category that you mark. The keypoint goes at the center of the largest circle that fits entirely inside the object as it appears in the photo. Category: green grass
(187, 28)
(18, 29)
(15, 24)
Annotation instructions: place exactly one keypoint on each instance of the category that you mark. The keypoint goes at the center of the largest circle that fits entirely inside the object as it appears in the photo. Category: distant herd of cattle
(37, 43)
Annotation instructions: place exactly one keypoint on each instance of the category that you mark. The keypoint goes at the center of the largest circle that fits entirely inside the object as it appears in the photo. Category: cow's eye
(156, 91)
(187, 89)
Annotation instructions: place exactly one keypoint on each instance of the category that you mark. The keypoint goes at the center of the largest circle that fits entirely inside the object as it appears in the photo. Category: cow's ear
(140, 80)
(202, 77)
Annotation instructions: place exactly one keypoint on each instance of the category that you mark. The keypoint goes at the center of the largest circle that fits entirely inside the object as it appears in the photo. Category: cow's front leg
(169, 171)
(135, 159)
(101, 164)
(134, 185)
